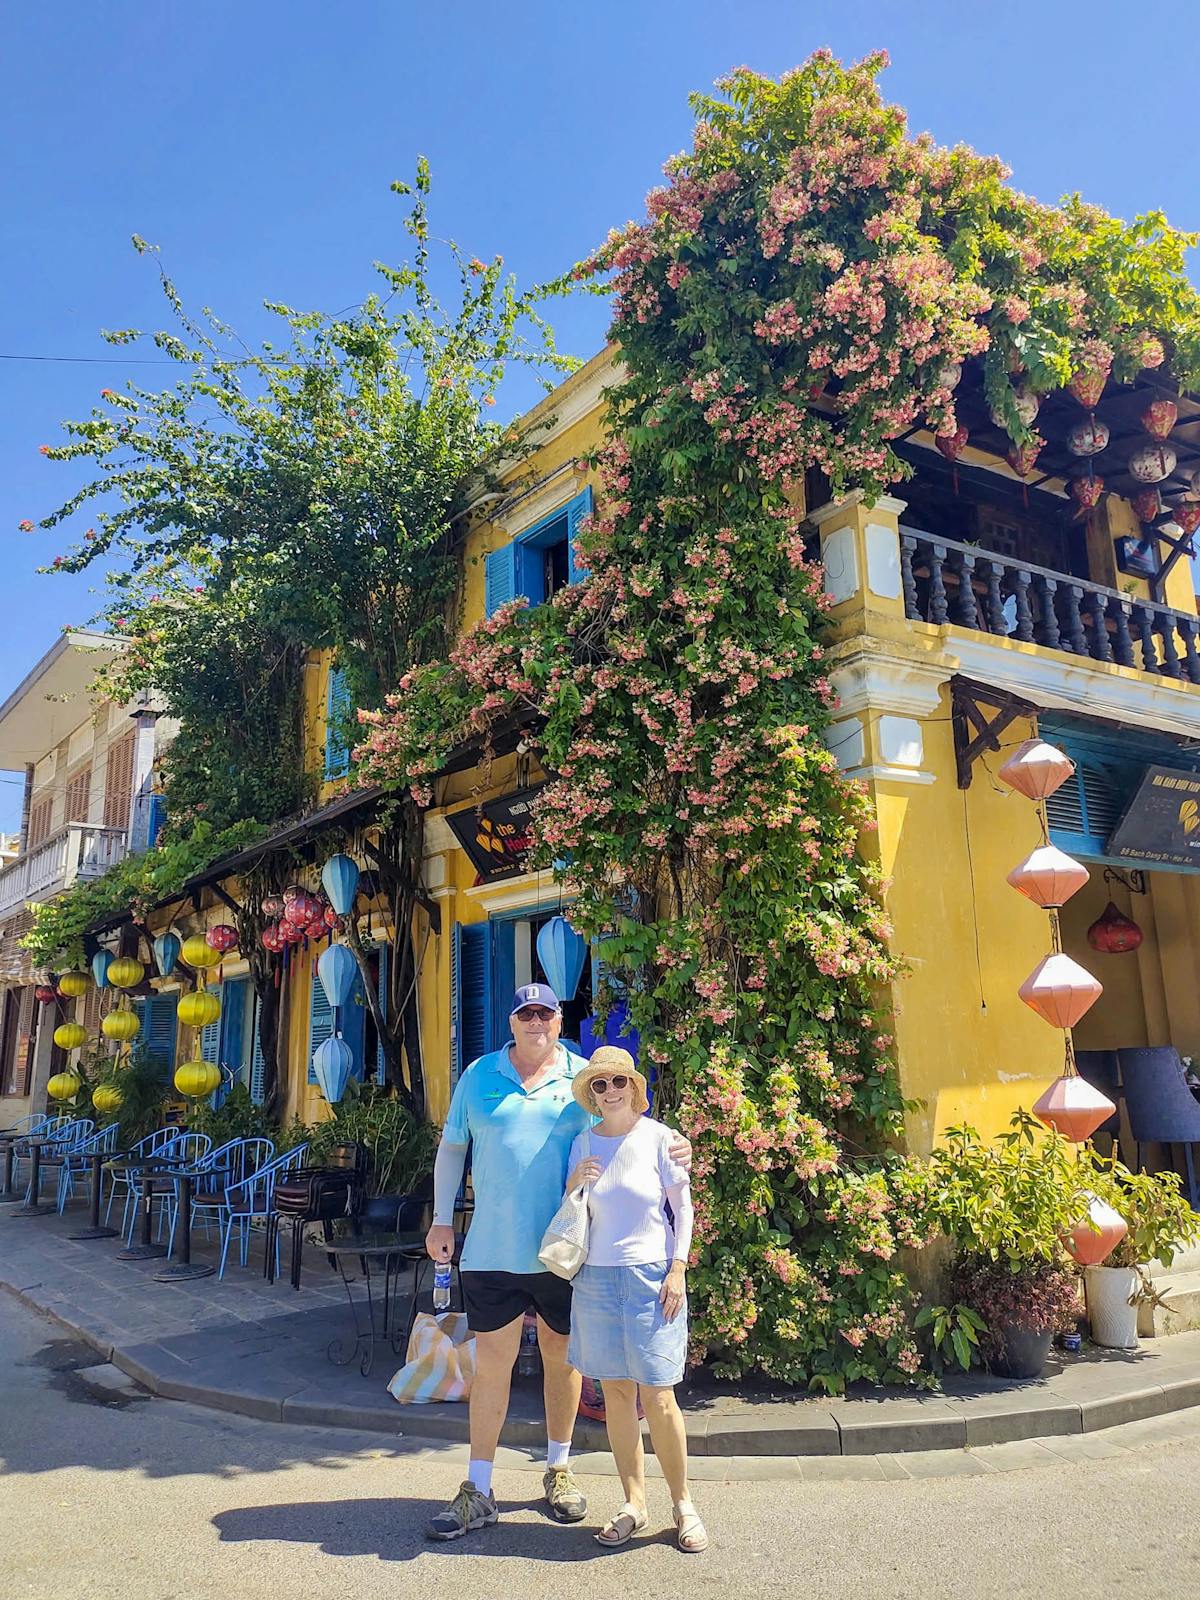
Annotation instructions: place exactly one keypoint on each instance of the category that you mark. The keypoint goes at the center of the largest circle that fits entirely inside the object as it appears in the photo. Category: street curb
(943, 1426)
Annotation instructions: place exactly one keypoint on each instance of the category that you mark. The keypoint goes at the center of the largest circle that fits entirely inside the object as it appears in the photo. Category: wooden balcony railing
(945, 581)
(80, 850)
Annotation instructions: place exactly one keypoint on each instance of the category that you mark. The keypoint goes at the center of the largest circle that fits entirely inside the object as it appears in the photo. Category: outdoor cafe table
(182, 1266)
(96, 1229)
(372, 1323)
(8, 1138)
(31, 1207)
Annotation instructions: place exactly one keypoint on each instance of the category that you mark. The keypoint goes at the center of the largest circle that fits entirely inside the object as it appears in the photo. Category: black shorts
(494, 1299)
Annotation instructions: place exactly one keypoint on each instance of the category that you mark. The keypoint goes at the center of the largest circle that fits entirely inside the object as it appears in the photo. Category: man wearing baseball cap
(515, 1108)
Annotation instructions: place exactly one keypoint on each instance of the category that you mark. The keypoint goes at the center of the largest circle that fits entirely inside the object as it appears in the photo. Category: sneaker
(566, 1502)
(467, 1511)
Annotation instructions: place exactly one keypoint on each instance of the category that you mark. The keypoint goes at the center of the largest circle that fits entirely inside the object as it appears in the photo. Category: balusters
(1076, 638)
(1122, 610)
(1170, 660)
(908, 548)
(1047, 633)
(1143, 621)
(1024, 627)
(1187, 628)
(939, 610)
(994, 602)
(1101, 644)
(968, 611)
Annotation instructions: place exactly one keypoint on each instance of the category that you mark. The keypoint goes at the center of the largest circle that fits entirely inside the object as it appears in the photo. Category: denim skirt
(618, 1329)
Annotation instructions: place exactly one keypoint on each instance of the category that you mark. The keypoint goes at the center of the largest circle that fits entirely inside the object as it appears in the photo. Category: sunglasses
(602, 1085)
(535, 1014)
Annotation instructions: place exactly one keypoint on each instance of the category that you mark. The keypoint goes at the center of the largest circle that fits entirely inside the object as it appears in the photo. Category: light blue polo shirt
(521, 1140)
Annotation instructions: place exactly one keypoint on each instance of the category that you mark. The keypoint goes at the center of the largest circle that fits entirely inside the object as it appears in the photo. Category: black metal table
(182, 1266)
(96, 1229)
(32, 1207)
(372, 1323)
(145, 1249)
(9, 1140)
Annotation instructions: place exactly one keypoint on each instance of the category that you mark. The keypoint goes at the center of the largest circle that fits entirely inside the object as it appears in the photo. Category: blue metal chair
(182, 1149)
(77, 1159)
(62, 1141)
(252, 1200)
(41, 1127)
(119, 1175)
(1162, 1109)
(230, 1163)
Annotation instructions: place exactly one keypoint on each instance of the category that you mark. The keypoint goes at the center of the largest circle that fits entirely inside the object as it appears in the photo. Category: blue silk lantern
(101, 962)
(166, 953)
(339, 879)
(563, 954)
(332, 1062)
(337, 968)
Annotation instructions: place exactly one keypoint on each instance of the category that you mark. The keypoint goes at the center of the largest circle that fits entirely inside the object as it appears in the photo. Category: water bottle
(528, 1358)
(441, 1286)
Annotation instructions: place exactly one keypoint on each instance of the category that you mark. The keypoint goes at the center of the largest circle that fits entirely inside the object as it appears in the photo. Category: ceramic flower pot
(1019, 1352)
(1113, 1320)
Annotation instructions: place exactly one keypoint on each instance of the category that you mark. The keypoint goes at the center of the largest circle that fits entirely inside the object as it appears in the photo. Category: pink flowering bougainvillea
(797, 297)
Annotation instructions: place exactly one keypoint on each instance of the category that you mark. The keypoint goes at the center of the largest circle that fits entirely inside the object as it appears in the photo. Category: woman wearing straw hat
(629, 1308)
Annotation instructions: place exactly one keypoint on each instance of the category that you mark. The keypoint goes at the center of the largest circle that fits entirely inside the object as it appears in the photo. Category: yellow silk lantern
(124, 972)
(70, 1035)
(107, 1097)
(197, 952)
(198, 1009)
(64, 1086)
(121, 1026)
(74, 984)
(195, 1079)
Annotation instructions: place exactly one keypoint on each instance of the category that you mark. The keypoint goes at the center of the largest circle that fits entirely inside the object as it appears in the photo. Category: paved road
(107, 1493)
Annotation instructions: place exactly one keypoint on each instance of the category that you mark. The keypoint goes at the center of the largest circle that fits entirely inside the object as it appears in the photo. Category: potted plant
(1159, 1221)
(1006, 1206)
(400, 1150)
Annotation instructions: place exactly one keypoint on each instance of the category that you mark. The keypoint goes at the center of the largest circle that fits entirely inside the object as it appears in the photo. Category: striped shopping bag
(440, 1362)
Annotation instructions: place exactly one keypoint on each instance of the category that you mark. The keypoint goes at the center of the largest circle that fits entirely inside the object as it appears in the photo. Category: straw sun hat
(606, 1061)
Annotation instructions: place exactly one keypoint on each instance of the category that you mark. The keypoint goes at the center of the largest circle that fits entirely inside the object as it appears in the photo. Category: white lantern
(1152, 462)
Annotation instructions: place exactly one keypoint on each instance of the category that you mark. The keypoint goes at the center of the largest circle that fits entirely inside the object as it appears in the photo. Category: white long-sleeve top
(627, 1215)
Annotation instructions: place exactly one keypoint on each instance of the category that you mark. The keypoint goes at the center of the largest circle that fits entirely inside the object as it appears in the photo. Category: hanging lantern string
(1055, 932)
(1070, 1070)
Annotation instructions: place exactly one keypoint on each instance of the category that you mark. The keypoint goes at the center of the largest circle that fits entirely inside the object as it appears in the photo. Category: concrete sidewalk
(243, 1345)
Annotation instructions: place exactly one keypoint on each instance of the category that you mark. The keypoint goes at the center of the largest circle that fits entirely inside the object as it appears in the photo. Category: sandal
(620, 1529)
(691, 1533)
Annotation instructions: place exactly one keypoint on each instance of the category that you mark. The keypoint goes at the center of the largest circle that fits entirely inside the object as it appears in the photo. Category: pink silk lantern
(1060, 991)
(1159, 418)
(1073, 1108)
(271, 939)
(221, 938)
(1036, 769)
(1146, 503)
(1186, 517)
(1086, 492)
(1096, 1235)
(1048, 877)
(1023, 458)
(272, 906)
(1087, 384)
(953, 444)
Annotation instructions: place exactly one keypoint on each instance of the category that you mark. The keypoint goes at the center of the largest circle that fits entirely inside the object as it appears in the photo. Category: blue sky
(255, 145)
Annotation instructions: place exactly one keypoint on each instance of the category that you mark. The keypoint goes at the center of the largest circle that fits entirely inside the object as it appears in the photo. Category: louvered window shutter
(210, 1050)
(26, 1035)
(337, 706)
(257, 1062)
(158, 1030)
(500, 577)
(118, 783)
(474, 993)
(380, 1059)
(320, 1021)
(78, 796)
(579, 508)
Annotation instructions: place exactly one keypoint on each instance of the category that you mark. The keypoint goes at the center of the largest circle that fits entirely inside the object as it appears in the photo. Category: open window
(541, 560)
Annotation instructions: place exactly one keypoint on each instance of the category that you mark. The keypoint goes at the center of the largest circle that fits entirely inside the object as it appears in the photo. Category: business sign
(1162, 821)
(496, 835)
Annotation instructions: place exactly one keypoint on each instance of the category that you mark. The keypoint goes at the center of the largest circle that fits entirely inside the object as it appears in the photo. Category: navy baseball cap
(534, 994)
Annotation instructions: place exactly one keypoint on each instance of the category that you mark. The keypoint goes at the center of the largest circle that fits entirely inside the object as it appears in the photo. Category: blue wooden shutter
(158, 815)
(337, 705)
(474, 993)
(500, 577)
(257, 1062)
(233, 1025)
(503, 964)
(320, 1020)
(577, 509)
(380, 1059)
(456, 1043)
(159, 1030)
(352, 1018)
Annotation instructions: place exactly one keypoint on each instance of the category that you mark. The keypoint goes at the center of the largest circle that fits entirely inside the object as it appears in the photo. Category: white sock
(558, 1452)
(480, 1474)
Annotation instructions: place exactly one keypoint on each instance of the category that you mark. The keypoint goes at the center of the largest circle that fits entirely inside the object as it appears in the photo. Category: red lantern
(1023, 458)
(1113, 933)
(331, 918)
(293, 892)
(45, 995)
(1095, 1236)
(272, 940)
(953, 444)
(290, 932)
(1146, 504)
(316, 929)
(1186, 517)
(221, 938)
(272, 906)
(1159, 418)
(1087, 383)
(1048, 877)
(1036, 769)
(1086, 492)
(1060, 991)
(301, 910)
(1073, 1108)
